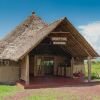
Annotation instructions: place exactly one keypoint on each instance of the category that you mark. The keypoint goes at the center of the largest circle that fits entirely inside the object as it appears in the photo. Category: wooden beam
(80, 46)
(80, 38)
(77, 50)
(77, 35)
(68, 50)
(60, 32)
(58, 35)
(27, 69)
(72, 65)
(65, 50)
(89, 69)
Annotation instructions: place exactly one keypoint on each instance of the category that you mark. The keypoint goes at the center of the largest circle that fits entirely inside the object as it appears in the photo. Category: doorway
(48, 64)
(44, 65)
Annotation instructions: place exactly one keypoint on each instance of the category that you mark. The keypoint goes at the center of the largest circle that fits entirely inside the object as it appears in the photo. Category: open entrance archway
(61, 43)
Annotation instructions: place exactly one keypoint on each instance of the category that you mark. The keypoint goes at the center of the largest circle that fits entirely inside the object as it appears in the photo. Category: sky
(83, 14)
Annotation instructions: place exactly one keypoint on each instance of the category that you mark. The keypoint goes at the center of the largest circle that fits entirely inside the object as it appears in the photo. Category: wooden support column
(27, 69)
(72, 65)
(89, 69)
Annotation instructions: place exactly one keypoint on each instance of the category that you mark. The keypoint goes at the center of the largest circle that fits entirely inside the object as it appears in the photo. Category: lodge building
(36, 49)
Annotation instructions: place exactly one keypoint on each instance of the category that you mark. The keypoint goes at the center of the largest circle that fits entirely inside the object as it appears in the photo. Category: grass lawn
(6, 90)
(39, 94)
(61, 93)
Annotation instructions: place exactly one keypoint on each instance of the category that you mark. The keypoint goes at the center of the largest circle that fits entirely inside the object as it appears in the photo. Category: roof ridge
(21, 27)
(31, 21)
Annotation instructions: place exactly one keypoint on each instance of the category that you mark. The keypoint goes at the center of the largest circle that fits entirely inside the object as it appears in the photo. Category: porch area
(49, 82)
(55, 60)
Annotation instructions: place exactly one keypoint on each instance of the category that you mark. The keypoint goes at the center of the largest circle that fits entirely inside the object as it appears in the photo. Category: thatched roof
(31, 32)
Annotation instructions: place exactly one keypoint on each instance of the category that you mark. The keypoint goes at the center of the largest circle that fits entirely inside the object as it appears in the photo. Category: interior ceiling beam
(72, 35)
(72, 49)
(60, 32)
(80, 39)
(79, 44)
(58, 35)
(68, 50)
(75, 47)
(67, 53)
(79, 50)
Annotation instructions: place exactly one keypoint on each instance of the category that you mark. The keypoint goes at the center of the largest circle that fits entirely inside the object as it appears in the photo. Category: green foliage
(95, 71)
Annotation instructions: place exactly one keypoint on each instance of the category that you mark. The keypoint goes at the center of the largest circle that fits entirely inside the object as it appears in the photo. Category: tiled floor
(50, 81)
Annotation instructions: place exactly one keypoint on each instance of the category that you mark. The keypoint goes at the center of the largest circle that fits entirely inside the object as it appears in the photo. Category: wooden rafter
(68, 50)
(73, 47)
(81, 39)
(80, 46)
(60, 32)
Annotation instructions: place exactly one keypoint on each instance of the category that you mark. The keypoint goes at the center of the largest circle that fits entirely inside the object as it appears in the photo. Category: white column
(27, 69)
(89, 69)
